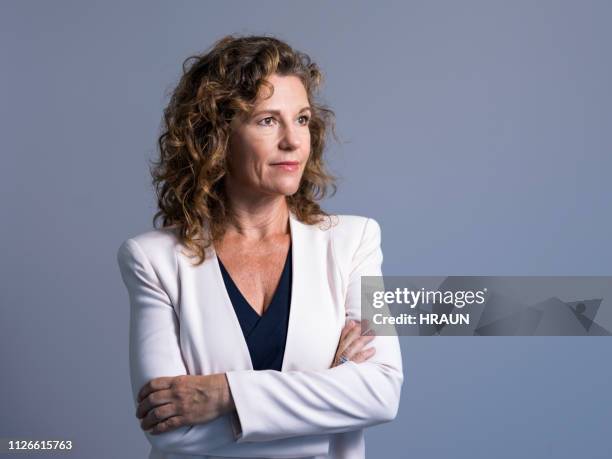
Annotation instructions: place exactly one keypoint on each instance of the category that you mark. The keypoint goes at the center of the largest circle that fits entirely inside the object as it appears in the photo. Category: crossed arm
(271, 413)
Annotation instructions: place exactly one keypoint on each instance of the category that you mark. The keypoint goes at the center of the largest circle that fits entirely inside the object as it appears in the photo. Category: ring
(343, 359)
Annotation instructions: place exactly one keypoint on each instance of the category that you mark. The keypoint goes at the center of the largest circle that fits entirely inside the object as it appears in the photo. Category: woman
(255, 348)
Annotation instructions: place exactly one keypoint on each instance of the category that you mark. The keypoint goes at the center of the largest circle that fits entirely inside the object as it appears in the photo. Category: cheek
(306, 139)
(252, 163)
(244, 156)
(262, 153)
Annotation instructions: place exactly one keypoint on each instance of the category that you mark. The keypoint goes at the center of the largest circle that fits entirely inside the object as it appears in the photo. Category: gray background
(476, 133)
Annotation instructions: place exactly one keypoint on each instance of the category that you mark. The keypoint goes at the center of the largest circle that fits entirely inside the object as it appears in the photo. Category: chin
(287, 189)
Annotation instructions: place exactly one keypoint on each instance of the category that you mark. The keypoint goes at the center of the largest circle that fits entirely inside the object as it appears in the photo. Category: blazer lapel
(208, 321)
(306, 295)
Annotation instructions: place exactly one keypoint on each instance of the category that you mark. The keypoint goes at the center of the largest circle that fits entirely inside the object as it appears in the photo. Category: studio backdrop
(476, 133)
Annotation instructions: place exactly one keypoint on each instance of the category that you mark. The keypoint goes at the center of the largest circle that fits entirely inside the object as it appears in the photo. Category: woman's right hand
(352, 344)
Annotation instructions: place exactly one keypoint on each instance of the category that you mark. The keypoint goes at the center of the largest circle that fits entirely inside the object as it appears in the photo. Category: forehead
(288, 90)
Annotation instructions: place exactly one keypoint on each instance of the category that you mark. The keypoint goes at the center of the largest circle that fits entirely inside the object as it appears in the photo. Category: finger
(366, 327)
(157, 415)
(155, 384)
(348, 327)
(160, 397)
(362, 341)
(350, 324)
(353, 333)
(351, 336)
(357, 346)
(369, 332)
(364, 355)
(171, 423)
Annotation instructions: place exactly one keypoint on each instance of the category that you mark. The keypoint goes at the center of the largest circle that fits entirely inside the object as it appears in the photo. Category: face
(270, 146)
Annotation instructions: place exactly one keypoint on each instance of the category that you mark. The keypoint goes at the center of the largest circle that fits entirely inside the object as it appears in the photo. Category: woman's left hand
(168, 403)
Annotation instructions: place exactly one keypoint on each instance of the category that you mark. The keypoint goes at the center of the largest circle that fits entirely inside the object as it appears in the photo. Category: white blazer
(182, 322)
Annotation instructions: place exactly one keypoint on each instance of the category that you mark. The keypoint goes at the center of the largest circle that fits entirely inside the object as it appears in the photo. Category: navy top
(265, 335)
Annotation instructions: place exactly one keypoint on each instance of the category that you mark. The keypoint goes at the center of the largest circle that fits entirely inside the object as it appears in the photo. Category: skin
(277, 130)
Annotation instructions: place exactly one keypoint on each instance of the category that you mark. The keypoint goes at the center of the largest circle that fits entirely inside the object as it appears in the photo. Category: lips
(289, 166)
(286, 163)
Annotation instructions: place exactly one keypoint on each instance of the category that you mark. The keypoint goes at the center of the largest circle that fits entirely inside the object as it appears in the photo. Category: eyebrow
(277, 112)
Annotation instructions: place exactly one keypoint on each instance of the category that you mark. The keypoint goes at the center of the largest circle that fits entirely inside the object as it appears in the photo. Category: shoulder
(350, 226)
(350, 233)
(157, 246)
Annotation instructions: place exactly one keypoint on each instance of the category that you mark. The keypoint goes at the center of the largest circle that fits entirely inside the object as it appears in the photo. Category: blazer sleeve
(154, 351)
(273, 405)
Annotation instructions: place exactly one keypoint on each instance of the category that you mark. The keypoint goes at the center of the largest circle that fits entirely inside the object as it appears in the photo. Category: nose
(290, 138)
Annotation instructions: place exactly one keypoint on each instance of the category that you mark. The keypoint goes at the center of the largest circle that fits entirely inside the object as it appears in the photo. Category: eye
(267, 121)
(304, 119)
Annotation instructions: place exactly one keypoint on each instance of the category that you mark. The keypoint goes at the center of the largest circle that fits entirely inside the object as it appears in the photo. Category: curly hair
(216, 86)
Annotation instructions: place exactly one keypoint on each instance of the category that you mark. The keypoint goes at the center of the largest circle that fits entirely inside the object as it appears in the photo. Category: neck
(258, 219)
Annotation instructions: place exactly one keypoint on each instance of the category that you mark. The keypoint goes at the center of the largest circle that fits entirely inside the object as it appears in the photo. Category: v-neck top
(265, 335)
